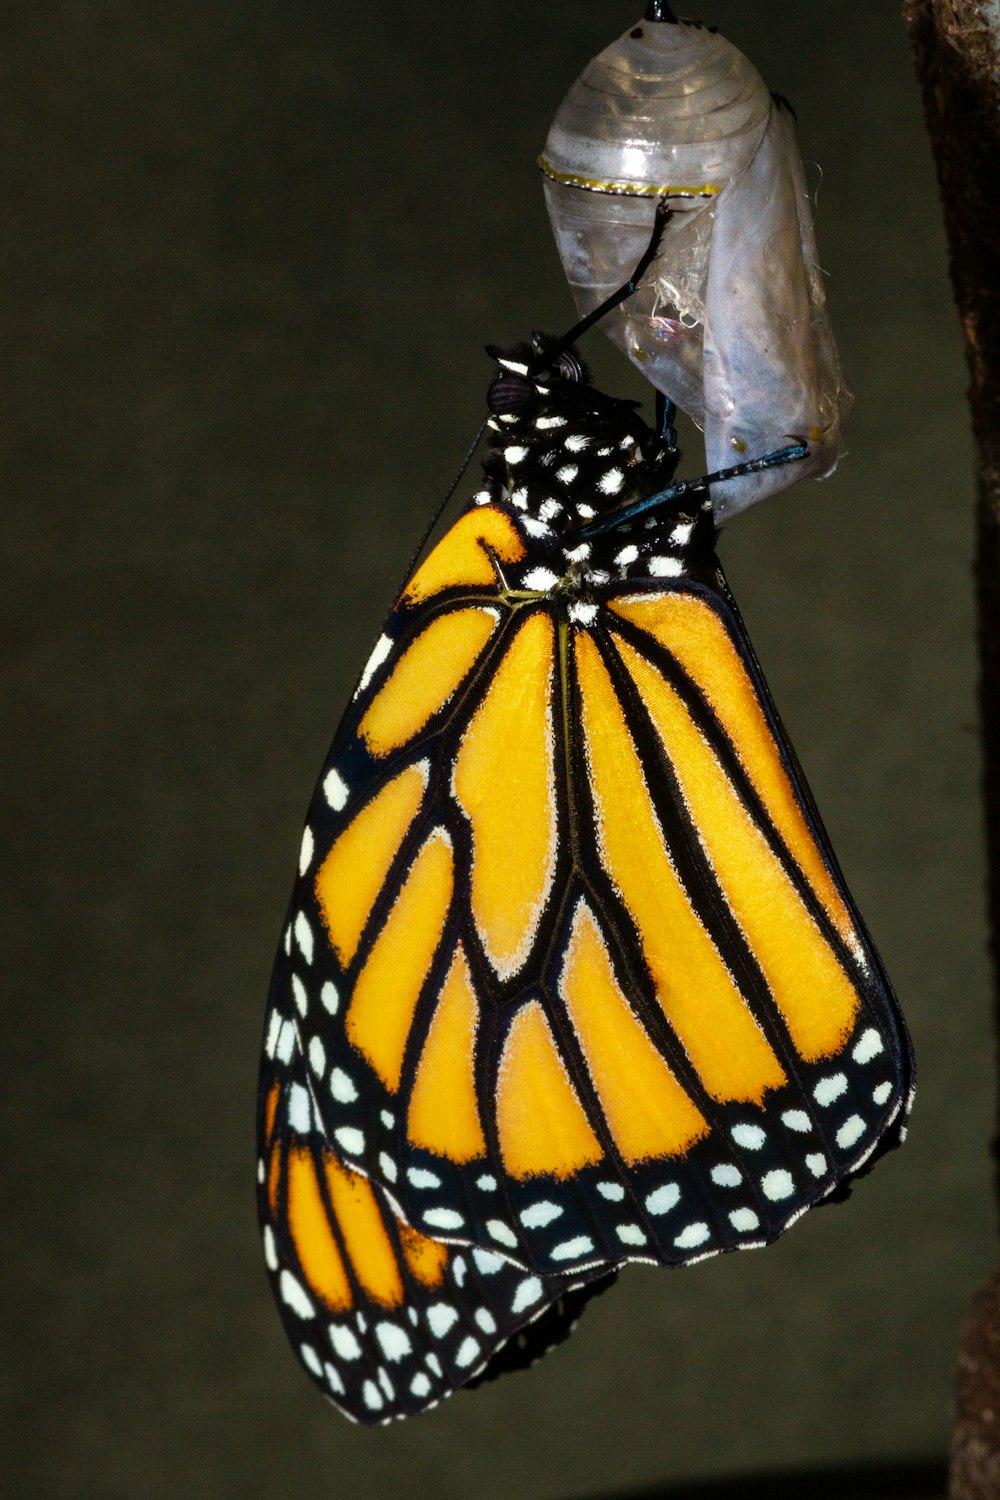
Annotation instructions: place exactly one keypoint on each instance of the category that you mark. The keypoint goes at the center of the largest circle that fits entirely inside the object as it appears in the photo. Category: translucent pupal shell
(731, 322)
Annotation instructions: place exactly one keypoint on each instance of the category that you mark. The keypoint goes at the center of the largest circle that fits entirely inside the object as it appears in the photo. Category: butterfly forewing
(576, 975)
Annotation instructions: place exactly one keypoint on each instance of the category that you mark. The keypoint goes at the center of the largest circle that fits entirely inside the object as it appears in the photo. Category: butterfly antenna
(663, 216)
(439, 511)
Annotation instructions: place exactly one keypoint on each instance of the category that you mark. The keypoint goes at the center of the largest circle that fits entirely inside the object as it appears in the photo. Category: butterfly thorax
(563, 454)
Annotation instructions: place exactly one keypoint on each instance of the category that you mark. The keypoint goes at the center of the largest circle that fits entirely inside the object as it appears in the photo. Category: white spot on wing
(342, 1087)
(467, 1352)
(382, 648)
(777, 1185)
(830, 1089)
(744, 1220)
(311, 1359)
(317, 1057)
(373, 1398)
(816, 1163)
(693, 1236)
(351, 1139)
(335, 790)
(797, 1119)
(540, 1214)
(421, 1178)
(664, 1199)
(869, 1047)
(443, 1218)
(300, 1115)
(631, 1234)
(441, 1318)
(850, 1132)
(420, 1386)
(488, 1264)
(486, 1320)
(571, 1249)
(293, 1295)
(306, 851)
(750, 1137)
(393, 1341)
(329, 999)
(528, 1293)
(299, 995)
(883, 1093)
(727, 1176)
(344, 1342)
(501, 1232)
(270, 1252)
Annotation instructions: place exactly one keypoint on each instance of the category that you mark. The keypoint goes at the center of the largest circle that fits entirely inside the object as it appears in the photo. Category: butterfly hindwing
(386, 1321)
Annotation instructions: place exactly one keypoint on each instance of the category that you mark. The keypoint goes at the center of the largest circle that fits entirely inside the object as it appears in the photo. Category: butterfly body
(572, 973)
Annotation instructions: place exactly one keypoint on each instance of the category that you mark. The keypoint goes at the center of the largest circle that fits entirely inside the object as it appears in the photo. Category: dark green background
(252, 251)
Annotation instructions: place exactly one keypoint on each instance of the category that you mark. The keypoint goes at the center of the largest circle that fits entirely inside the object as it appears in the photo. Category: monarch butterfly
(570, 975)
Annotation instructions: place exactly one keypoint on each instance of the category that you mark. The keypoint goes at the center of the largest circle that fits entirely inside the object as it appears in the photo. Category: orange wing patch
(542, 1124)
(648, 1111)
(697, 991)
(318, 1252)
(387, 989)
(808, 983)
(425, 677)
(461, 558)
(355, 869)
(504, 782)
(694, 635)
(366, 1238)
(444, 1113)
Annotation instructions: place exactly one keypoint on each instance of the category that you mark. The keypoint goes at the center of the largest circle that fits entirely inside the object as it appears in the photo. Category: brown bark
(957, 49)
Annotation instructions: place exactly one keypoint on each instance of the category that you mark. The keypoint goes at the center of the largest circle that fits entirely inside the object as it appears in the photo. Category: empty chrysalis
(731, 322)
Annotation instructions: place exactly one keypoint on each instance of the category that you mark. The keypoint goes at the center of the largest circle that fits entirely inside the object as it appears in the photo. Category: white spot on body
(482, 497)
(540, 1214)
(528, 1293)
(583, 614)
(576, 443)
(293, 1294)
(541, 579)
(663, 1199)
(666, 567)
(850, 1132)
(611, 481)
(550, 510)
(341, 1087)
(519, 498)
(682, 533)
(567, 473)
(536, 528)
(828, 1090)
(626, 555)
(443, 1218)
(306, 851)
(545, 423)
(577, 554)
(777, 1185)
(515, 454)
(335, 790)
(586, 512)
